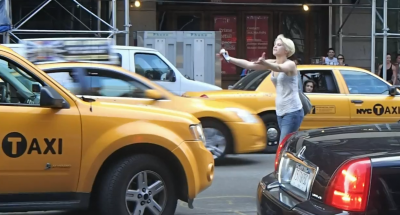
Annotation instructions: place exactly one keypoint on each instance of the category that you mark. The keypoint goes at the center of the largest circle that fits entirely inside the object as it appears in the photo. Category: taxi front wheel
(137, 185)
(218, 138)
(273, 132)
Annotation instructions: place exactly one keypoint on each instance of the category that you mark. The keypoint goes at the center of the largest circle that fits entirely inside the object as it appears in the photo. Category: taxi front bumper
(248, 137)
(198, 164)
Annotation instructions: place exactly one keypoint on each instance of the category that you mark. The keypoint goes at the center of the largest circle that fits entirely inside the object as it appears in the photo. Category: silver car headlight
(198, 133)
(244, 115)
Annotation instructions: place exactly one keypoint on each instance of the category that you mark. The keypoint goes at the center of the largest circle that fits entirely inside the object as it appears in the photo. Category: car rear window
(251, 81)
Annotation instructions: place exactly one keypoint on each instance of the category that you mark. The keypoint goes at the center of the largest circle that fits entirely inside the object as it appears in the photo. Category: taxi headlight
(198, 133)
(244, 115)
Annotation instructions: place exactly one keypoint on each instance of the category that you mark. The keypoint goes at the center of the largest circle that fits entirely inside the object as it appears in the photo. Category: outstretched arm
(247, 64)
(286, 67)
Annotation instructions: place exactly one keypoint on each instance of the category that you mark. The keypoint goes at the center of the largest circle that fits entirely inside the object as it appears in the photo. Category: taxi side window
(363, 83)
(324, 79)
(18, 86)
(66, 78)
(113, 84)
(153, 67)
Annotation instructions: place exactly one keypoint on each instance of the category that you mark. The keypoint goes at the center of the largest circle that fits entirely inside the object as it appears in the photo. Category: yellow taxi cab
(61, 152)
(229, 128)
(343, 95)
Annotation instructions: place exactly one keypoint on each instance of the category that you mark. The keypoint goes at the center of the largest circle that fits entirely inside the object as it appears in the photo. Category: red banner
(227, 26)
(256, 36)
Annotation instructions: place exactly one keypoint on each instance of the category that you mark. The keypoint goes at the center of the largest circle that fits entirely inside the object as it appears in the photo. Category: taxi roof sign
(69, 50)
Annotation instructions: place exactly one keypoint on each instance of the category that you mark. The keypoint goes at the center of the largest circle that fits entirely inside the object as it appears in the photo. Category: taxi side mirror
(50, 98)
(393, 90)
(153, 94)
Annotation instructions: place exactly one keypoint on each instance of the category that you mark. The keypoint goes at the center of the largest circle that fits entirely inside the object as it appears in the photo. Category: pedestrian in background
(341, 60)
(331, 59)
(391, 72)
(285, 77)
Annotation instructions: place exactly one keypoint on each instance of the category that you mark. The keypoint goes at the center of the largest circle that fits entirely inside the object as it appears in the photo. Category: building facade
(247, 29)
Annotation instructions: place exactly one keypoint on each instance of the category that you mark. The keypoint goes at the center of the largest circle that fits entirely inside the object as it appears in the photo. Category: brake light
(279, 151)
(349, 186)
(204, 96)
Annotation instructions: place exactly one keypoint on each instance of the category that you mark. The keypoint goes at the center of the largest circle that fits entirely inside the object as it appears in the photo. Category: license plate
(300, 177)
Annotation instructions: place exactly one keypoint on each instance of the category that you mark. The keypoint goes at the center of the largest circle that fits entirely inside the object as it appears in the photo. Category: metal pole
(114, 19)
(61, 31)
(385, 30)
(377, 35)
(373, 24)
(218, 2)
(330, 24)
(6, 35)
(127, 22)
(99, 14)
(341, 30)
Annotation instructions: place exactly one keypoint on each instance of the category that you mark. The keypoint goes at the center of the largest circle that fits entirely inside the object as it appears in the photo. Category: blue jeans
(290, 122)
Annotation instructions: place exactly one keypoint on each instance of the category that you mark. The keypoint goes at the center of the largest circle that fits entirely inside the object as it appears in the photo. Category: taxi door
(41, 147)
(369, 99)
(330, 106)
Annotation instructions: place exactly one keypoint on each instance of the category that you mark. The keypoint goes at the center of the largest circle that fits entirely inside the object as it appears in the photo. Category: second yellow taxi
(340, 95)
(229, 128)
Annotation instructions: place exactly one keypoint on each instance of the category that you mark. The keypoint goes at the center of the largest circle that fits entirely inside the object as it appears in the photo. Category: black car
(353, 170)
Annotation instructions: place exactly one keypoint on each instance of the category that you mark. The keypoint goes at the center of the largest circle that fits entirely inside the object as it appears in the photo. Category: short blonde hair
(287, 43)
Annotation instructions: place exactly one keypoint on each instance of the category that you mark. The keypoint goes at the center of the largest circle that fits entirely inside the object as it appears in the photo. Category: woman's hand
(261, 60)
(221, 52)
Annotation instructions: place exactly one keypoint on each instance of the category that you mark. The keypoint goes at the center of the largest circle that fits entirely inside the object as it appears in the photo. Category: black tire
(271, 122)
(111, 191)
(215, 124)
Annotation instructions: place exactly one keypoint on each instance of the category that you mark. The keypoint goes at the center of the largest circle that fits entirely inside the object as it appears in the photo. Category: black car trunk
(329, 148)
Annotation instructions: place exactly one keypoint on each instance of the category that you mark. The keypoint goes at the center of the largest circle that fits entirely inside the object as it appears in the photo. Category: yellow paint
(247, 137)
(90, 133)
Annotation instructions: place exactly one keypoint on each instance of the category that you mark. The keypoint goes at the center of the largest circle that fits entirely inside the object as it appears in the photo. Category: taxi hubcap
(146, 194)
(272, 136)
(215, 142)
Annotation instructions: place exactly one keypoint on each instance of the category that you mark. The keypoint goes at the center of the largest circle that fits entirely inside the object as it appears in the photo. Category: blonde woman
(289, 108)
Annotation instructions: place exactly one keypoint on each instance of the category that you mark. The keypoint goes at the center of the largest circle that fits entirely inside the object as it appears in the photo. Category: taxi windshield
(251, 81)
(20, 86)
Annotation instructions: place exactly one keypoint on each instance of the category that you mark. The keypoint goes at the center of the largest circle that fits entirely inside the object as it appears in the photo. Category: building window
(186, 22)
(256, 36)
(227, 26)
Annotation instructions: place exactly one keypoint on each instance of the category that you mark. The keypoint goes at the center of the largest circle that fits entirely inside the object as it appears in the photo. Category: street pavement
(233, 191)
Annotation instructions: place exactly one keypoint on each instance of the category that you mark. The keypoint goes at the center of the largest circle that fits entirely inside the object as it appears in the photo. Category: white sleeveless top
(287, 93)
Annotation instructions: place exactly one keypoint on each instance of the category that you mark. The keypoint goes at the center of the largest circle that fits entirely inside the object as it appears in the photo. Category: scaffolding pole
(6, 35)
(385, 30)
(127, 22)
(373, 26)
(330, 23)
(112, 32)
(340, 29)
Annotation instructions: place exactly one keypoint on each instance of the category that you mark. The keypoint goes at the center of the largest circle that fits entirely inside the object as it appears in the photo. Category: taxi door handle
(357, 101)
